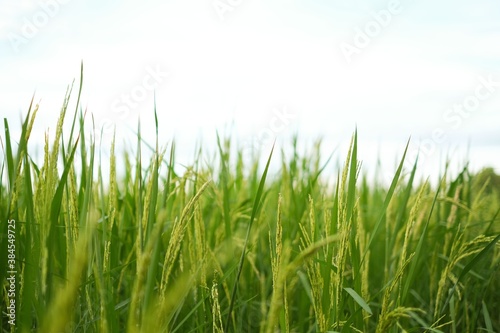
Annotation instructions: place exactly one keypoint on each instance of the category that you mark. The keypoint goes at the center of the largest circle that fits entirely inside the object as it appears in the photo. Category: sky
(259, 70)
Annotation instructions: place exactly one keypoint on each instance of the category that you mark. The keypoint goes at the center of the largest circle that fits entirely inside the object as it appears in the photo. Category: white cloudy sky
(238, 68)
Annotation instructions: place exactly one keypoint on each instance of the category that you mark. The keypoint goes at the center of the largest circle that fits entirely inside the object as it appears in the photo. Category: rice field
(229, 246)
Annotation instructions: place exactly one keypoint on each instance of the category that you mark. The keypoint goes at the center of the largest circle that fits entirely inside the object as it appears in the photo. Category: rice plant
(229, 246)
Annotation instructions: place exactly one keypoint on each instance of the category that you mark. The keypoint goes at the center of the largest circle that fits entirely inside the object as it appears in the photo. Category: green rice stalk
(216, 314)
(278, 298)
(176, 238)
(144, 261)
(59, 313)
(313, 270)
(255, 209)
(389, 315)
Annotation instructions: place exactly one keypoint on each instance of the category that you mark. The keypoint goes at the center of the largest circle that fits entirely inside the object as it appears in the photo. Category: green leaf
(55, 207)
(9, 156)
(255, 209)
(419, 320)
(387, 200)
(359, 300)
(487, 319)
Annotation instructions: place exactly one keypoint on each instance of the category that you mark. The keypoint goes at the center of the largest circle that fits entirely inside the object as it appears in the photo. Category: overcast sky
(393, 69)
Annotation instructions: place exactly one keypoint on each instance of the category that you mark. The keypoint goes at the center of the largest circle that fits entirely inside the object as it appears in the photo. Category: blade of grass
(418, 251)
(32, 254)
(9, 155)
(419, 320)
(76, 107)
(224, 175)
(487, 318)
(55, 209)
(138, 189)
(359, 300)
(256, 205)
(351, 202)
(387, 199)
(153, 269)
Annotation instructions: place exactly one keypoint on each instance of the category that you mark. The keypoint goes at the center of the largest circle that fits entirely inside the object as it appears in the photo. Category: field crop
(229, 246)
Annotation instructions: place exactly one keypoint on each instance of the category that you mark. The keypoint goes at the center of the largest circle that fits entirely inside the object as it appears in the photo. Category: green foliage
(233, 246)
